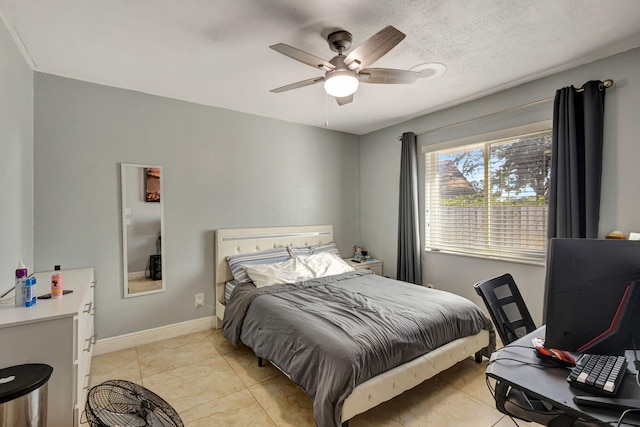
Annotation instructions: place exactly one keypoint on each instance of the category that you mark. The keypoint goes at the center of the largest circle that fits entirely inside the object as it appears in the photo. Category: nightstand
(374, 265)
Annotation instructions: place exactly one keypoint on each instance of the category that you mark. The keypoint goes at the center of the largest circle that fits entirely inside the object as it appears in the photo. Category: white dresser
(60, 333)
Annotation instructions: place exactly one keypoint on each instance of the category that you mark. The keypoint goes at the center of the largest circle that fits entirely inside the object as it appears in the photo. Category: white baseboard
(134, 339)
(135, 275)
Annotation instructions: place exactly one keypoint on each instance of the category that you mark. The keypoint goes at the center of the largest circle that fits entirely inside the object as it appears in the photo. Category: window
(489, 198)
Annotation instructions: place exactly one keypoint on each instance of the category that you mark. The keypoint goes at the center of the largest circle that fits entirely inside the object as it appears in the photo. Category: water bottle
(30, 292)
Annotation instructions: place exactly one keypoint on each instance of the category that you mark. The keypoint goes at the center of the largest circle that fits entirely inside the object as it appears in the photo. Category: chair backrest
(506, 307)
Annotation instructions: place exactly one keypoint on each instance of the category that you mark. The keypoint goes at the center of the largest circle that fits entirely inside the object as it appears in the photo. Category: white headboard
(232, 241)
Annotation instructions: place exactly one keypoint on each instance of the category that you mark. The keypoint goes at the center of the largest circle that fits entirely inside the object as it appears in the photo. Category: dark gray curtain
(576, 163)
(408, 230)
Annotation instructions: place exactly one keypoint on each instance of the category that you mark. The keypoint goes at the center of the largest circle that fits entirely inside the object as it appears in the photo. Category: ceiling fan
(343, 73)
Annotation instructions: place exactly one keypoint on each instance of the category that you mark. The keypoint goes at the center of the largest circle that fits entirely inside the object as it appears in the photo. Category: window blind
(490, 198)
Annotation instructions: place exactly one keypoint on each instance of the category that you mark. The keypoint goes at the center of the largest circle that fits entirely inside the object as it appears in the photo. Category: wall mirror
(142, 229)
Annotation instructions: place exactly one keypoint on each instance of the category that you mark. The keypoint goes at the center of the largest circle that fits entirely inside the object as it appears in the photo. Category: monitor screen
(592, 295)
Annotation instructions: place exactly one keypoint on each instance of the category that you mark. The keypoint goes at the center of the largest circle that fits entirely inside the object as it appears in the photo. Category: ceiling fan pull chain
(326, 110)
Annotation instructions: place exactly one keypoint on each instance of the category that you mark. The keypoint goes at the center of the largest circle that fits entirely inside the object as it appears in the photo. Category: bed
(371, 384)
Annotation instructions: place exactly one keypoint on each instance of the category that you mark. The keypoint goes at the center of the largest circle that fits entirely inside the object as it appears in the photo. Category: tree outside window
(490, 199)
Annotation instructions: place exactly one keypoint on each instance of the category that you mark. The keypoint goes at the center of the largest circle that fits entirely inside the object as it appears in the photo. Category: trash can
(23, 395)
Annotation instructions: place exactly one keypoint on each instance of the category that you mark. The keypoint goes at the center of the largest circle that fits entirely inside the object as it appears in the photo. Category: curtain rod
(607, 84)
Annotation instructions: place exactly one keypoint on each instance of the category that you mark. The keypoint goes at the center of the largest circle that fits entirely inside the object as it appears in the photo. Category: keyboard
(598, 374)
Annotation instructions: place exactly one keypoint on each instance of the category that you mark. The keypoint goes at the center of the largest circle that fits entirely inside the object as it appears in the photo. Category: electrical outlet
(199, 300)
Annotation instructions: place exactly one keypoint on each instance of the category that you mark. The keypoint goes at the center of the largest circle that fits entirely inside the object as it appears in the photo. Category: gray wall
(16, 160)
(221, 169)
(621, 179)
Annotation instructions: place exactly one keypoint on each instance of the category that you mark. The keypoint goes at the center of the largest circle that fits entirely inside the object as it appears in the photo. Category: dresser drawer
(83, 379)
(84, 323)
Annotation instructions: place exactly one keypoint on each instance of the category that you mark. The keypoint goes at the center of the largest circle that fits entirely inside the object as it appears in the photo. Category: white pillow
(325, 264)
(290, 271)
(268, 256)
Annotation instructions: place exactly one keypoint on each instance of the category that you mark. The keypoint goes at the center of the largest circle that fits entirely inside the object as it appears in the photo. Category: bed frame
(378, 389)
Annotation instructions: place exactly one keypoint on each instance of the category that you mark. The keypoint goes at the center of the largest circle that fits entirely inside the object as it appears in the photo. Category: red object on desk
(560, 357)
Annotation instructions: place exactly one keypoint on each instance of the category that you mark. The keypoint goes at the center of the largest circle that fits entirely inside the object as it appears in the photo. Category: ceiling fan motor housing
(340, 41)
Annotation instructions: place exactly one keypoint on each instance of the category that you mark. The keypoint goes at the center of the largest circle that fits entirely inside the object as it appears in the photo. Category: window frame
(481, 140)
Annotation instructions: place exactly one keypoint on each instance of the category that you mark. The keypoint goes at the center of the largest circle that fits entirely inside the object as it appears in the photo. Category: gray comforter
(333, 333)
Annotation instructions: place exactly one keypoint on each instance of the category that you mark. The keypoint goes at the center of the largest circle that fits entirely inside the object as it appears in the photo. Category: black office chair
(506, 307)
(512, 320)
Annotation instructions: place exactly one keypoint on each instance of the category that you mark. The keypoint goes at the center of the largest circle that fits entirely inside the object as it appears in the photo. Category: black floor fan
(123, 403)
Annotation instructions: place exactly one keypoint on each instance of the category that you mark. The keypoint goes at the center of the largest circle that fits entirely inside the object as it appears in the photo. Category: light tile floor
(211, 383)
(143, 284)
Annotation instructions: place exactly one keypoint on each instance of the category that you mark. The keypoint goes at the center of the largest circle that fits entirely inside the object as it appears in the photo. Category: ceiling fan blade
(297, 85)
(302, 56)
(387, 76)
(344, 99)
(374, 48)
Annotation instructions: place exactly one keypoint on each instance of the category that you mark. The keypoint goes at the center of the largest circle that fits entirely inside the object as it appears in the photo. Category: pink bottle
(56, 283)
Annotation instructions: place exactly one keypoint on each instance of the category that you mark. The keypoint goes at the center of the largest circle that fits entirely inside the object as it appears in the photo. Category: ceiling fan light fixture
(341, 83)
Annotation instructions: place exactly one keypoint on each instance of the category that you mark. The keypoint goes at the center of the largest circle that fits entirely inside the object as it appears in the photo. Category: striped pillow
(228, 289)
(303, 251)
(326, 247)
(269, 256)
(300, 251)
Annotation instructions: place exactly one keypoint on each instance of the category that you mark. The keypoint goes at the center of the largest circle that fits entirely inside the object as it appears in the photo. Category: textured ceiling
(215, 52)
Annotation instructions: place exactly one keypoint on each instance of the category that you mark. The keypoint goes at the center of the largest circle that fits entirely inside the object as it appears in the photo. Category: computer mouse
(559, 357)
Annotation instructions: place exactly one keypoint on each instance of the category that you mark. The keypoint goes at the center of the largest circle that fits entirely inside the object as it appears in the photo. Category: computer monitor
(592, 295)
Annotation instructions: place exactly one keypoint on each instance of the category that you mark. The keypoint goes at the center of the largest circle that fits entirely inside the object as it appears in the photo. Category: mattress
(332, 334)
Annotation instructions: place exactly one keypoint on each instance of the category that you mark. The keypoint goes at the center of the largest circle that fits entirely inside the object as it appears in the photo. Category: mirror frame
(125, 258)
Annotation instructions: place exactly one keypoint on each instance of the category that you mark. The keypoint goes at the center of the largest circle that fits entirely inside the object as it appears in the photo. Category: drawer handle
(87, 381)
(90, 341)
(93, 284)
(87, 307)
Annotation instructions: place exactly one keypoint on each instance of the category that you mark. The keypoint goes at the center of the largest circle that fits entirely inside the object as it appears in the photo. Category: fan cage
(123, 403)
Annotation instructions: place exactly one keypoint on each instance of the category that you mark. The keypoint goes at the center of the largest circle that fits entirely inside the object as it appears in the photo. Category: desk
(550, 384)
